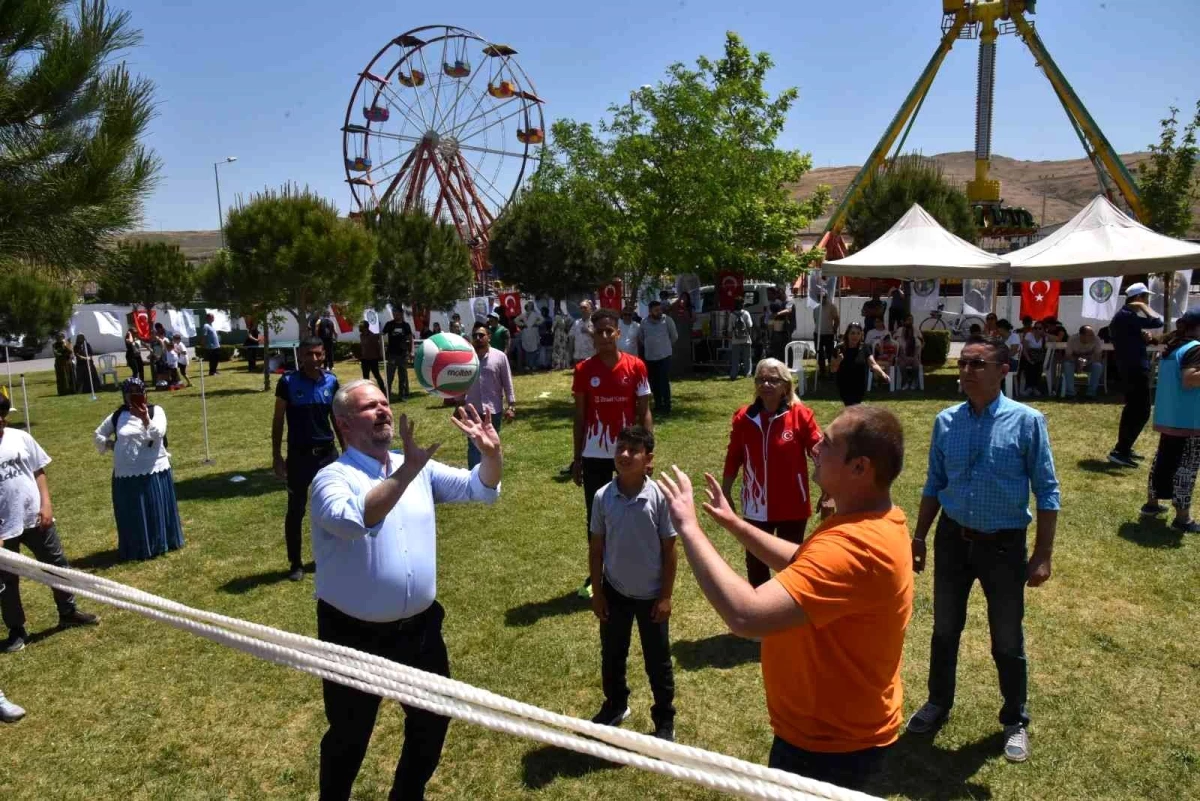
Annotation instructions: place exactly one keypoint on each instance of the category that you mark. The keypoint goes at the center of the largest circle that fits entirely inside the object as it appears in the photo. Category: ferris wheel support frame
(960, 19)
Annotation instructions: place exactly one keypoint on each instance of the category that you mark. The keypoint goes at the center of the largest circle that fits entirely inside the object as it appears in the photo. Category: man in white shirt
(530, 324)
(27, 518)
(628, 331)
(374, 539)
(741, 335)
(580, 336)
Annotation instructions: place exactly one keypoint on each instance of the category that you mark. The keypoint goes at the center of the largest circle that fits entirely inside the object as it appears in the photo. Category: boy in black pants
(632, 560)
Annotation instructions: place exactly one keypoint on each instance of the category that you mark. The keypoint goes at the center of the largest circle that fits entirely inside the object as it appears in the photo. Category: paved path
(31, 366)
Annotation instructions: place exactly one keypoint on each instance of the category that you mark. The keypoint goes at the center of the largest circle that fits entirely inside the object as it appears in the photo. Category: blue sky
(268, 81)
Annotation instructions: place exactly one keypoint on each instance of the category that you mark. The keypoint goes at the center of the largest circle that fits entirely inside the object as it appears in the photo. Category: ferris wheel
(444, 120)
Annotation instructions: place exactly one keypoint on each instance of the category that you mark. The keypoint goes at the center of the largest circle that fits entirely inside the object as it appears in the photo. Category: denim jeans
(1094, 370)
(659, 373)
(656, 653)
(851, 769)
(999, 562)
(739, 360)
(473, 454)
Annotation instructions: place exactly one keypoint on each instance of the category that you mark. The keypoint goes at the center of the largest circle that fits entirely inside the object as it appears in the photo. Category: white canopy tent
(1101, 240)
(917, 247)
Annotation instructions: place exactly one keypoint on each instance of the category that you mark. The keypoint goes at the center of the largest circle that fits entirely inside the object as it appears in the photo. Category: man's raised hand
(478, 429)
(415, 457)
(718, 506)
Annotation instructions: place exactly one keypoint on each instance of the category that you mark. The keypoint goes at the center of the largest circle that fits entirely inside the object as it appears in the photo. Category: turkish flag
(612, 295)
(142, 320)
(1039, 299)
(729, 289)
(511, 303)
(344, 325)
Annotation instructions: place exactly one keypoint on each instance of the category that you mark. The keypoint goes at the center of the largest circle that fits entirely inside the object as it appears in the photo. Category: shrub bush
(343, 351)
(224, 353)
(936, 349)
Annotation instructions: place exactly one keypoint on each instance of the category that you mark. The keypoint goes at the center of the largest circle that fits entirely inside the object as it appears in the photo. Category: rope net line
(449, 697)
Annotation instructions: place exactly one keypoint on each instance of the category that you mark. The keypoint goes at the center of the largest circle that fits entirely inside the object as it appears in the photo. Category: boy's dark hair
(1005, 324)
(479, 324)
(876, 434)
(312, 342)
(654, 304)
(5, 405)
(603, 314)
(1027, 320)
(637, 435)
(976, 328)
(999, 346)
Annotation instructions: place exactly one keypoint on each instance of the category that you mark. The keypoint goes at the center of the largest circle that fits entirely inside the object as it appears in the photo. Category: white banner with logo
(1180, 283)
(1101, 298)
(925, 297)
(818, 286)
(978, 295)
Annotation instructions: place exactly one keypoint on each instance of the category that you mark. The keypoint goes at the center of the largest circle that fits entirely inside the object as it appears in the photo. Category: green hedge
(224, 353)
(936, 349)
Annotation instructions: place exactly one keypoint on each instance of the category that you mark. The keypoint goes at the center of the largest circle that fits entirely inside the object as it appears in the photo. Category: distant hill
(1068, 187)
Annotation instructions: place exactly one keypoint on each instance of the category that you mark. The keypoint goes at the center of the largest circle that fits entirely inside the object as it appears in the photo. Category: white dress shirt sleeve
(339, 506)
(103, 436)
(458, 485)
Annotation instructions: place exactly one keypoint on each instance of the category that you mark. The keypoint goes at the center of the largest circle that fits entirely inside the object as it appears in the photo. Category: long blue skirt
(147, 515)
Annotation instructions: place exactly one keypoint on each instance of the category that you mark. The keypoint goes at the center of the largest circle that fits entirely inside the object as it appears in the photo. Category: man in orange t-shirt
(833, 618)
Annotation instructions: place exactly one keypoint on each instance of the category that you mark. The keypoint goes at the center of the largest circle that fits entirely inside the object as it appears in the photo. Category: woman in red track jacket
(770, 441)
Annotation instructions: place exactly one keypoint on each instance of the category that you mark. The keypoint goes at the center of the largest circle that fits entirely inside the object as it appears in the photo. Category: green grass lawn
(136, 710)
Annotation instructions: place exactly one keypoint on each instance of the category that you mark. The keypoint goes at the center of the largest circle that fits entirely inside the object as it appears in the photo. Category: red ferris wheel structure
(447, 121)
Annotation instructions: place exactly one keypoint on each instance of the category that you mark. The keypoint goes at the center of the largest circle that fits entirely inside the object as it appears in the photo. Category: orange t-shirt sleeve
(829, 578)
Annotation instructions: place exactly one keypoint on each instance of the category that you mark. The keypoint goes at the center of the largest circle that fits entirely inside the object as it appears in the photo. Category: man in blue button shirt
(304, 400)
(212, 343)
(1128, 330)
(374, 537)
(985, 457)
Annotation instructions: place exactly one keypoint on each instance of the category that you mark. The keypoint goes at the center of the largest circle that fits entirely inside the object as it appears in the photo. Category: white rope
(373, 674)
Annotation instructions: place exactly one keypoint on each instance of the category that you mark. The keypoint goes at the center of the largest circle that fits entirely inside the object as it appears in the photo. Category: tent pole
(817, 330)
(204, 414)
(25, 398)
(1010, 310)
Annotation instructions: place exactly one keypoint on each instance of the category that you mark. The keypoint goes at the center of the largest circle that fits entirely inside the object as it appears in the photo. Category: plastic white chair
(108, 367)
(793, 356)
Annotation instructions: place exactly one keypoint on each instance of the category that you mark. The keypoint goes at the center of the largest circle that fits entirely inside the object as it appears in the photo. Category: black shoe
(1121, 459)
(665, 731)
(77, 618)
(14, 643)
(297, 574)
(1137, 457)
(610, 716)
(1186, 526)
(1152, 510)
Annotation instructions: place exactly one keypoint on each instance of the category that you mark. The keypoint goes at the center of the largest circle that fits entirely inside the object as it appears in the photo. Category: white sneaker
(10, 712)
(1016, 743)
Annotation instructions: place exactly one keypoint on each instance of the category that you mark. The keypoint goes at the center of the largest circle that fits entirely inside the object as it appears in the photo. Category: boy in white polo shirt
(632, 560)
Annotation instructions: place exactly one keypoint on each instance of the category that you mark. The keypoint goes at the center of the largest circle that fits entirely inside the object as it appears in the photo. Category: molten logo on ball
(446, 365)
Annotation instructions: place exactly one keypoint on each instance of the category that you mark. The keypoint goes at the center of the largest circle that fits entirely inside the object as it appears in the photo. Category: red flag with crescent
(344, 325)
(511, 303)
(1039, 299)
(142, 321)
(729, 289)
(612, 295)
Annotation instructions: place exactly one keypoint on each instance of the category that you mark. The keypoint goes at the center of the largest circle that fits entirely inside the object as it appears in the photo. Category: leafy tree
(288, 251)
(542, 245)
(686, 177)
(1168, 180)
(421, 262)
(32, 305)
(72, 171)
(146, 274)
(906, 180)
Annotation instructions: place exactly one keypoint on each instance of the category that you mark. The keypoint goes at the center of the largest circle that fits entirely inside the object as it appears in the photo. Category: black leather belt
(975, 535)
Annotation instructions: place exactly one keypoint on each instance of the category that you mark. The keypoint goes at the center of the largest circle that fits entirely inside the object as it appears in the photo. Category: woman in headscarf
(560, 358)
(64, 370)
(86, 377)
(143, 487)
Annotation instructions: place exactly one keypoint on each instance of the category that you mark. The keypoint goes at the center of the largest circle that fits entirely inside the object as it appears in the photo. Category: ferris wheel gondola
(455, 140)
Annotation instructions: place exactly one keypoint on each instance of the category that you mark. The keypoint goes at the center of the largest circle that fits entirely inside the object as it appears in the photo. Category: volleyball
(446, 365)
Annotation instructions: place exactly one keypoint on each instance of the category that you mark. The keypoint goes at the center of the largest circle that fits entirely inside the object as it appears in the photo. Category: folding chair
(793, 356)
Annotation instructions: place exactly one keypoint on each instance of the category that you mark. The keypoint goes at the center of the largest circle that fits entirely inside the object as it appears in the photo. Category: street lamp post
(220, 208)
